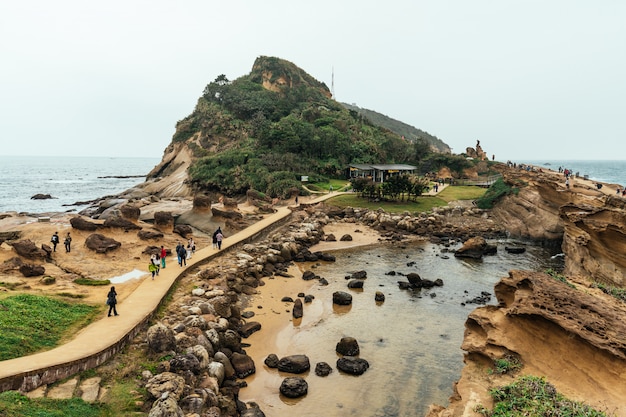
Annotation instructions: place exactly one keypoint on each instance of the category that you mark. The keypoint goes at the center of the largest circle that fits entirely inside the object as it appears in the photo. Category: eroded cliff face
(572, 334)
(590, 222)
(595, 241)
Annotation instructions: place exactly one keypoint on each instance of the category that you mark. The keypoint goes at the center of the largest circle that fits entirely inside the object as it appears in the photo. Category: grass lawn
(338, 185)
(13, 404)
(423, 204)
(461, 192)
(32, 323)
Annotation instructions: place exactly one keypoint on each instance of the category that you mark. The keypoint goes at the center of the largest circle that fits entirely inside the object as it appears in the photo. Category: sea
(68, 180)
(608, 171)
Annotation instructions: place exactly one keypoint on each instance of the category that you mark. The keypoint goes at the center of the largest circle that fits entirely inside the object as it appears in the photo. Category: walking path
(102, 339)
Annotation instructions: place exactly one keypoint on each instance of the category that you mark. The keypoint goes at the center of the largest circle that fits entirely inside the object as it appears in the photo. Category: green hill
(266, 129)
(400, 128)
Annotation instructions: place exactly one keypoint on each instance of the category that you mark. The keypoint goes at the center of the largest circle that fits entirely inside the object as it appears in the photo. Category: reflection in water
(411, 340)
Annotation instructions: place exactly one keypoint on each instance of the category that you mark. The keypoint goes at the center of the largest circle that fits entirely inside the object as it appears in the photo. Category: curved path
(102, 339)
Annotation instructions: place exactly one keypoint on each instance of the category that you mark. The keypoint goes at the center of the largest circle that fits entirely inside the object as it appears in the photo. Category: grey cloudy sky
(529, 79)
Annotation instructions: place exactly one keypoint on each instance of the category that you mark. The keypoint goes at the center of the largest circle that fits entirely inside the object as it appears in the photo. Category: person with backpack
(68, 242)
(112, 301)
(55, 241)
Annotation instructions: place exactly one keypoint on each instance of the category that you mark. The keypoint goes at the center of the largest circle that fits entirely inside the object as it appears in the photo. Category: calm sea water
(612, 172)
(67, 179)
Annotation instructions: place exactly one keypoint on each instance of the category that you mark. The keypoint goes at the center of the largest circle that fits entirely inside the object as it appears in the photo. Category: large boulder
(342, 298)
(130, 212)
(186, 362)
(166, 382)
(41, 197)
(294, 364)
(348, 346)
(294, 387)
(120, 223)
(202, 202)
(30, 270)
(163, 219)
(28, 249)
(298, 310)
(80, 223)
(221, 306)
(475, 248)
(243, 365)
(149, 235)
(161, 338)
(166, 406)
(250, 327)
(227, 214)
(352, 365)
(101, 244)
(183, 230)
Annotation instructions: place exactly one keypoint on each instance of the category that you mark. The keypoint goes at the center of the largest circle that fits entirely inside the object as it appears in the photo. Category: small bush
(533, 396)
(497, 190)
(506, 365)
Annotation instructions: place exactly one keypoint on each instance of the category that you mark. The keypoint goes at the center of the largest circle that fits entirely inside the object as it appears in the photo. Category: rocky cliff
(588, 222)
(563, 328)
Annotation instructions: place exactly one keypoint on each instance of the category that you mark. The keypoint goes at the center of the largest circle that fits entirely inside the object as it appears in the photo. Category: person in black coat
(112, 301)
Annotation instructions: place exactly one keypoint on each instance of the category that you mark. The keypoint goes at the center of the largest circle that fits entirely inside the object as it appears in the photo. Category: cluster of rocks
(440, 224)
(296, 386)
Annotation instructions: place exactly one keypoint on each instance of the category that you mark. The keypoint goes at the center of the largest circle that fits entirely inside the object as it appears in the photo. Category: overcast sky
(529, 79)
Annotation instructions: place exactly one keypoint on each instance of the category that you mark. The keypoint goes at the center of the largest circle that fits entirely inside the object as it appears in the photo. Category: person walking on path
(182, 254)
(112, 301)
(153, 266)
(163, 255)
(219, 230)
(68, 242)
(219, 236)
(55, 238)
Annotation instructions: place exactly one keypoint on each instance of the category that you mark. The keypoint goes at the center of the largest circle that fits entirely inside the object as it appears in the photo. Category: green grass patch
(124, 397)
(461, 192)
(533, 396)
(14, 404)
(92, 282)
(559, 277)
(422, 204)
(71, 295)
(31, 323)
(618, 293)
